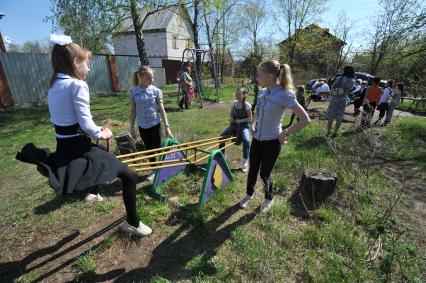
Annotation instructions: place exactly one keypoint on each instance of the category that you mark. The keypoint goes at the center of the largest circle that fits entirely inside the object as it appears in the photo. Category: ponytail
(135, 79)
(285, 78)
(281, 71)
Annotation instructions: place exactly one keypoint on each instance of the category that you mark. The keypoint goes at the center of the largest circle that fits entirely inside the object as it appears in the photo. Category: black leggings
(129, 179)
(151, 137)
(263, 155)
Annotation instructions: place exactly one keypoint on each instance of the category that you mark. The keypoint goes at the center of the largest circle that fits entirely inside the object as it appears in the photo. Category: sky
(23, 19)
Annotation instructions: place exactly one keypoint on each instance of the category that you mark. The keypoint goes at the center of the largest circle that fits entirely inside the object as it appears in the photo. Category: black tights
(263, 155)
(151, 137)
(129, 179)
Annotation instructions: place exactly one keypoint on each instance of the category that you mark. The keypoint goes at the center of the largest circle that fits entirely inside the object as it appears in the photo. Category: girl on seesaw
(268, 136)
(147, 106)
(78, 164)
(239, 118)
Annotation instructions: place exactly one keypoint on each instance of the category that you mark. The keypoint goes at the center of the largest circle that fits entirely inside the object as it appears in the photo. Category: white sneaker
(151, 177)
(266, 205)
(245, 201)
(93, 197)
(142, 230)
(244, 168)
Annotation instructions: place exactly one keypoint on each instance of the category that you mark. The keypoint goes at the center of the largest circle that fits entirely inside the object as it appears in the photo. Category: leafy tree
(397, 22)
(35, 46)
(92, 22)
(294, 15)
(89, 22)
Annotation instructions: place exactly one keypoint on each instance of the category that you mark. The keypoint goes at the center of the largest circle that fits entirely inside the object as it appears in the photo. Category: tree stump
(316, 186)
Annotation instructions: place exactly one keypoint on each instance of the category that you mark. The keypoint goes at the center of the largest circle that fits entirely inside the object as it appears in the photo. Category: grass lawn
(365, 232)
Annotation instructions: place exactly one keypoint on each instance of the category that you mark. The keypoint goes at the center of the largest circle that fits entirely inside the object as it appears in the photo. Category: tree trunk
(316, 186)
(140, 43)
(196, 38)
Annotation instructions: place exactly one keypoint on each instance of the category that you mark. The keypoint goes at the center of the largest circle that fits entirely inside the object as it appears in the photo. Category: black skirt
(77, 164)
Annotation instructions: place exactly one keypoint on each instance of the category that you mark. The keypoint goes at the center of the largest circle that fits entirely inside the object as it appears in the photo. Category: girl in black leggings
(268, 135)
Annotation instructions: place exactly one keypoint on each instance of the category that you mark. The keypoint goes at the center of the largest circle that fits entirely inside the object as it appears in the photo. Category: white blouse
(69, 103)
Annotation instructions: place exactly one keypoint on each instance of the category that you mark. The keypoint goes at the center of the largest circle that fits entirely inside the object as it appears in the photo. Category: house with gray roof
(166, 36)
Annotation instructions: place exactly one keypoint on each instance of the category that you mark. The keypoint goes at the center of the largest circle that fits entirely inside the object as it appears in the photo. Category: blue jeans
(244, 135)
(389, 114)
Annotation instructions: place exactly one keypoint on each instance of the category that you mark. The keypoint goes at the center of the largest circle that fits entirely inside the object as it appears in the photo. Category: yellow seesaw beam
(177, 150)
(167, 147)
(178, 164)
(187, 159)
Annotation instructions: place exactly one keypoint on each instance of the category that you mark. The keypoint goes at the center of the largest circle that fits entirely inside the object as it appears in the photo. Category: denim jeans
(389, 114)
(244, 135)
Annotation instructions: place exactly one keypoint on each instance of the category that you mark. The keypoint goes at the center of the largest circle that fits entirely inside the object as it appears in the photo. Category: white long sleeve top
(69, 103)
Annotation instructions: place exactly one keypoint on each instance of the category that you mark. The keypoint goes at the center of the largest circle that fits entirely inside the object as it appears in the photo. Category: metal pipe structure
(167, 147)
(178, 164)
(175, 150)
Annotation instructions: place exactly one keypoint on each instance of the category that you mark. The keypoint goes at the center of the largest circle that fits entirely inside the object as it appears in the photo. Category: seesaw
(175, 158)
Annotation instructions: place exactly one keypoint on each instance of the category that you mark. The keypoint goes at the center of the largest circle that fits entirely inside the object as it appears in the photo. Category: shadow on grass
(192, 239)
(108, 190)
(296, 202)
(312, 143)
(172, 109)
(13, 270)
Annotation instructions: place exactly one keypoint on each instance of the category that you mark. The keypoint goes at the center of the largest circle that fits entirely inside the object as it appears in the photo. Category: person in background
(336, 108)
(185, 82)
(300, 96)
(384, 101)
(371, 100)
(358, 98)
(394, 102)
(322, 90)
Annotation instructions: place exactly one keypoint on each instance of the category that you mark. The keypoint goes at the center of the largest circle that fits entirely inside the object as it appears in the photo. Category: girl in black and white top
(78, 164)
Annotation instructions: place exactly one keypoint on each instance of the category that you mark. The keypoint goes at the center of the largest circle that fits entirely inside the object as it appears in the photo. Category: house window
(175, 42)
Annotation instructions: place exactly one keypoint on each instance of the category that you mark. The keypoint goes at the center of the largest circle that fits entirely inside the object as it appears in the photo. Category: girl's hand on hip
(283, 138)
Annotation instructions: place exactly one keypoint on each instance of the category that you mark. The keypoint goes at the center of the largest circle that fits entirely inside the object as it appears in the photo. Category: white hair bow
(60, 39)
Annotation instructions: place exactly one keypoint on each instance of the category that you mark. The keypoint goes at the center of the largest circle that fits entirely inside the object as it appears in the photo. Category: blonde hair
(281, 71)
(140, 72)
(145, 69)
(62, 60)
(136, 80)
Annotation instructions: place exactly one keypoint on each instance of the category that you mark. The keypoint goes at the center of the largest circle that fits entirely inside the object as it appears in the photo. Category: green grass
(408, 105)
(86, 266)
(330, 245)
(406, 141)
(106, 206)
